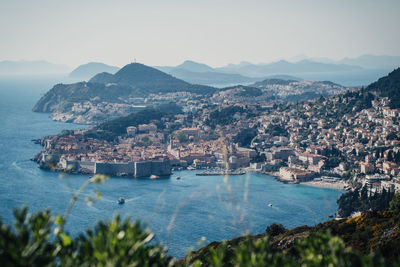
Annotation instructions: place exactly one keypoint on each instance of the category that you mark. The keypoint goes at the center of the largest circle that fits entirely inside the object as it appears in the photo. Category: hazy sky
(215, 32)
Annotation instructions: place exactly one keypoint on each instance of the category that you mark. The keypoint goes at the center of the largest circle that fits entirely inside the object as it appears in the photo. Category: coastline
(333, 185)
(279, 178)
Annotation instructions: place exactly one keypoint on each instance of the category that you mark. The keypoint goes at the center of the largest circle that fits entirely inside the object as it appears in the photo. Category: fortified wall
(115, 169)
(136, 169)
(154, 167)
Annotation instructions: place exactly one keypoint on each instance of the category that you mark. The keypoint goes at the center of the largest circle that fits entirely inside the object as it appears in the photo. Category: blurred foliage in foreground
(40, 240)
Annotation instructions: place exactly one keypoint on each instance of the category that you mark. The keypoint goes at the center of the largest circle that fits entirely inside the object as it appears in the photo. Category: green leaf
(66, 240)
(59, 220)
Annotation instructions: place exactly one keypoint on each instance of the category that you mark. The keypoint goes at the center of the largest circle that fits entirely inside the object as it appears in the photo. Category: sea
(183, 213)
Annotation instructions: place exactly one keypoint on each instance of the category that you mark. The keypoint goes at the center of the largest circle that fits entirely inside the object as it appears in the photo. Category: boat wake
(16, 166)
(131, 199)
(115, 200)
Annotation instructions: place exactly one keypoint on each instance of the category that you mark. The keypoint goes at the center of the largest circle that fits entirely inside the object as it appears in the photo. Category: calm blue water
(180, 212)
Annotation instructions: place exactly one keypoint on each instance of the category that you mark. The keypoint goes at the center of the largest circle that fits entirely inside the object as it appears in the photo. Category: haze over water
(179, 212)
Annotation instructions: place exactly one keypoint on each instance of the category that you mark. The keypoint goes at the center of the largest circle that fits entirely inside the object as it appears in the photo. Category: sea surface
(179, 211)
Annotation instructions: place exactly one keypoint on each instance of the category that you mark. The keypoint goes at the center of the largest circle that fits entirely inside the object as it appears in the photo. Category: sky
(215, 32)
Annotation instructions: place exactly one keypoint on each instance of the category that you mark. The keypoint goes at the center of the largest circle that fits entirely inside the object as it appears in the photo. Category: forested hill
(148, 79)
(133, 80)
(388, 86)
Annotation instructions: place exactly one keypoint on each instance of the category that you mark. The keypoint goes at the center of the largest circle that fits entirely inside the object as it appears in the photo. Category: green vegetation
(357, 200)
(224, 116)
(245, 136)
(274, 81)
(276, 130)
(181, 137)
(302, 97)
(133, 80)
(114, 243)
(392, 136)
(317, 249)
(114, 128)
(149, 80)
(371, 239)
(247, 91)
(388, 86)
(275, 229)
(146, 141)
(250, 91)
(170, 108)
(395, 204)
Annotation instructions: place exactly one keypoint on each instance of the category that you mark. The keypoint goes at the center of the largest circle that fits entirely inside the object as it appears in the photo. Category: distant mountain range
(36, 67)
(349, 71)
(86, 71)
(282, 66)
(200, 73)
(359, 71)
(364, 61)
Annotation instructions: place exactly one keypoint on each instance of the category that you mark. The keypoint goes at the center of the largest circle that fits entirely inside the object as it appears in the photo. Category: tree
(181, 137)
(392, 136)
(275, 229)
(395, 203)
(245, 136)
(146, 141)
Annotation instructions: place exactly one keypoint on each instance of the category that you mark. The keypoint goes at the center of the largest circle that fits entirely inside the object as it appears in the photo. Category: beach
(335, 185)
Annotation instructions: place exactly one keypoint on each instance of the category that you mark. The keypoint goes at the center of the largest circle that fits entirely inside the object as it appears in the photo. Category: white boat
(154, 176)
(269, 205)
(121, 200)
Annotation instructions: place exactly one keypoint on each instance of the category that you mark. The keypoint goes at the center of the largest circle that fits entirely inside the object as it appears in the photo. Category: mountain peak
(195, 66)
(90, 69)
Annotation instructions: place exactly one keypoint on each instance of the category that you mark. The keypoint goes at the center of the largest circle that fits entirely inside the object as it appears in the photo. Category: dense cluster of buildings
(298, 141)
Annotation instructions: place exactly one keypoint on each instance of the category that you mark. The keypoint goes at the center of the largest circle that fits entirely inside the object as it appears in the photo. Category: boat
(269, 205)
(121, 200)
(154, 176)
(178, 178)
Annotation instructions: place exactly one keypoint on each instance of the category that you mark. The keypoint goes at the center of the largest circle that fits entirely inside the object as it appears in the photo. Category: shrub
(114, 243)
(275, 229)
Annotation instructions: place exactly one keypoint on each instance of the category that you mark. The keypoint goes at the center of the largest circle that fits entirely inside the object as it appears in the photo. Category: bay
(179, 211)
